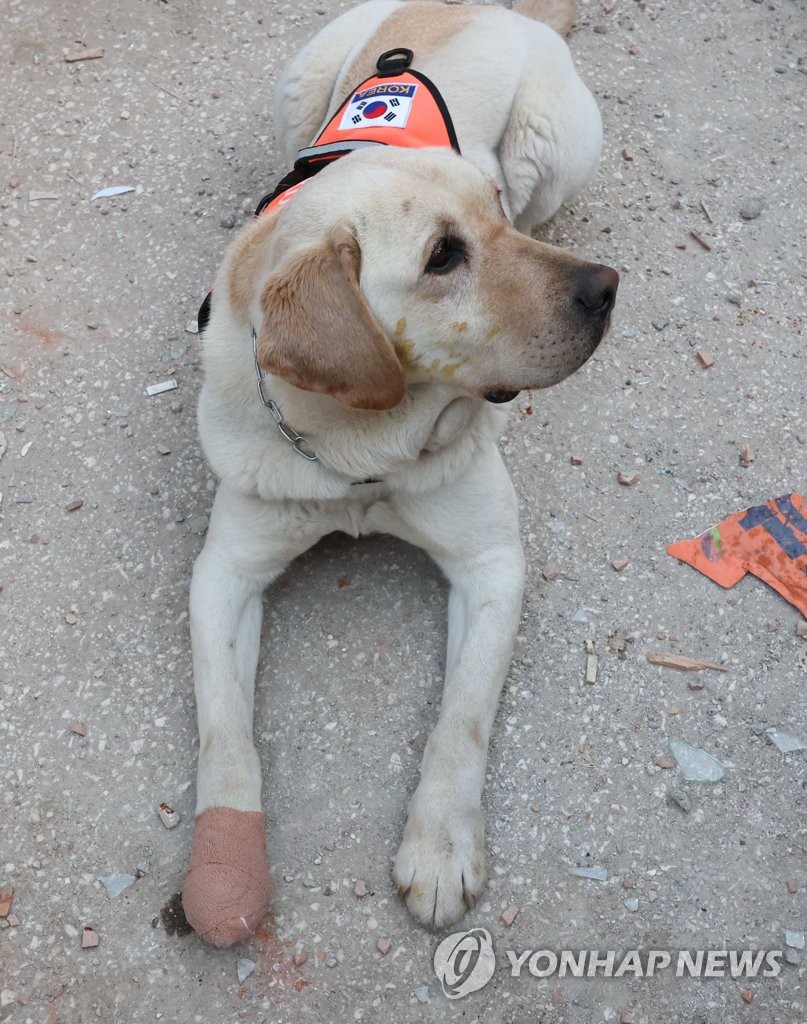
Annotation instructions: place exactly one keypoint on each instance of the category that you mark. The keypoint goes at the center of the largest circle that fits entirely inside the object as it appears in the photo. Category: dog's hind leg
(304, 90)
(551, 146)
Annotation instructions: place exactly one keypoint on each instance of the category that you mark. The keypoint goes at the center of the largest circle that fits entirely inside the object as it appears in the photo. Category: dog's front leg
(226, 892)
(472, 532)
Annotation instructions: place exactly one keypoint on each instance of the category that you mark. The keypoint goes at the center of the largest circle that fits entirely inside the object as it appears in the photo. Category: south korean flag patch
(380, 106)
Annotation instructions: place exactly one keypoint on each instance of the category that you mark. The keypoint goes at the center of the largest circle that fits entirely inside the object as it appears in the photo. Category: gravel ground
(703, 105)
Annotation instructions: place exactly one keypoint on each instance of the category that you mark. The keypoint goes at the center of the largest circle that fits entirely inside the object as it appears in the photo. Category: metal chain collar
(297, 441)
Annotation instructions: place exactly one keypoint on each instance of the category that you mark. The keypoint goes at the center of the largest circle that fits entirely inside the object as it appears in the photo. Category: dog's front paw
(226, 892)
(440, 866)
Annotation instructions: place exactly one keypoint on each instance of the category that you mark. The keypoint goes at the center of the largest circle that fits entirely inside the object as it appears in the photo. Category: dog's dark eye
(446, 256)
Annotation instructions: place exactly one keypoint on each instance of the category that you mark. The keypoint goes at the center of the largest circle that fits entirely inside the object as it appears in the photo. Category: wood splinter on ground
(592, 663)
(700, 239)
(667, 659)
(72, 58)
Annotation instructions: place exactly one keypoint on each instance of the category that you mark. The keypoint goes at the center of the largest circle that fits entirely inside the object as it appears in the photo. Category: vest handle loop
(394, 62)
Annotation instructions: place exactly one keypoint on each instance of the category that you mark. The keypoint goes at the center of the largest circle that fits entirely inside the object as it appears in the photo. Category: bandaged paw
(226, 892)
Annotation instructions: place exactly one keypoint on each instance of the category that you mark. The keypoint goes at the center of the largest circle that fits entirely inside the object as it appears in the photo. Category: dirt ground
(699, 202)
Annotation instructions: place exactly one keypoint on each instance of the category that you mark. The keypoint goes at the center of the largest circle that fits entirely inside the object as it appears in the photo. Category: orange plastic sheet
(768, 540)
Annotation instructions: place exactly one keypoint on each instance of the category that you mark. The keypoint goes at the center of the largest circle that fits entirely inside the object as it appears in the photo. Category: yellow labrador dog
(361, 340)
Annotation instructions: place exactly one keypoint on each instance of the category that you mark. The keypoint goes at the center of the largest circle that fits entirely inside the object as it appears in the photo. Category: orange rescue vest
(396, 107)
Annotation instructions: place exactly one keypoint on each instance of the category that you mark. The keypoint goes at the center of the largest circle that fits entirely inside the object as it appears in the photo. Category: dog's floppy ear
(319, 334)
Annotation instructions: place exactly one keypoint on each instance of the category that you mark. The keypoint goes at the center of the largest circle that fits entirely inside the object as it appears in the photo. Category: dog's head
(396, 266)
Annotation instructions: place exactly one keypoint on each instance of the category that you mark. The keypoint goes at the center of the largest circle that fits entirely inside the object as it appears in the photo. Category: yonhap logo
(464, 962)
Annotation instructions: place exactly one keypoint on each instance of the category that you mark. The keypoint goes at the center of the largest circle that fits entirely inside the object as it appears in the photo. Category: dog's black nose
(596, 290)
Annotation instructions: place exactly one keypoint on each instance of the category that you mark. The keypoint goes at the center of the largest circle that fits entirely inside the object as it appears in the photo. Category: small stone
(227, 221)
(576, 460)
(752, 208)
(13, 921)
(746, 457)
(422, 994)
(794, 939)
(632, 904)
(633, 50)
(192, 327)
(163, 449)
(116, 883)
(801, 628)
(6, 901)
(627, 481)
(509, 915)
(596, 874)
(550, 572)
(680, 798)
(618, 643)
(628, 883)
(628, 155)
(74, 506)
(243, 969)
(383, 946)
(792, 886)
(71, 619)
(746, 994)
(79, 728)
(626, 1017)
(89, 937)
(168, 816)
(360, 889)
(621, 563)
(600, 29)
(299, 959)
(735, 297)
(705, 359)
(331, 962)
(14, 182)
(695, 764)
(784, 742)
(198, 523)
(665, 762)
(175, 351)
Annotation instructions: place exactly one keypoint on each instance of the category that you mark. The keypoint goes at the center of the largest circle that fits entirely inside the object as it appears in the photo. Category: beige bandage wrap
(226, 893)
